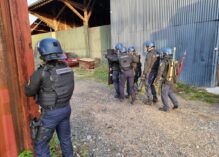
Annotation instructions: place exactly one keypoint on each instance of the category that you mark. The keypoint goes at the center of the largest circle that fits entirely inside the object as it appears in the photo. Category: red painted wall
(16, 65)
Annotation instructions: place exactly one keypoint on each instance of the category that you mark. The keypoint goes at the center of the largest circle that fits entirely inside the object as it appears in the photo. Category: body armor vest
(57, 85)
(125, 62)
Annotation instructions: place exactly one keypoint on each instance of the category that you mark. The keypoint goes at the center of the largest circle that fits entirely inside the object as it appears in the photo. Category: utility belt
(126, 69)
(53, 107)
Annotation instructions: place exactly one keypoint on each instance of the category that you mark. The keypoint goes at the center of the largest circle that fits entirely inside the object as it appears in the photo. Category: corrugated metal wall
(16, 65)
(188, 25)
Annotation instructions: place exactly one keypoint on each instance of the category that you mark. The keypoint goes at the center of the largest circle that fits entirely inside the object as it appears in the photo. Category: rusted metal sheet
(16, 62)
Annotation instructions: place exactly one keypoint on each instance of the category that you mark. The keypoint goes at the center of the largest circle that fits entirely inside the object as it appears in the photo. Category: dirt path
(113, 129)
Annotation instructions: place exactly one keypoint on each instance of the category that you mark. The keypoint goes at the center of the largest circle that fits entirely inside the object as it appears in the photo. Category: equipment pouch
(34, 127)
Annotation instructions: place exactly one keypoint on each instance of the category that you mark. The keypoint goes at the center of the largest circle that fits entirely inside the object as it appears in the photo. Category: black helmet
(50, 49)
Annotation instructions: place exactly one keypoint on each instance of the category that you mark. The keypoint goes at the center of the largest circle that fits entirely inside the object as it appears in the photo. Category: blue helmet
(167, 51)
(123, 49)
(149, 44)
(131, 49)
(119, 46)
(50, 49)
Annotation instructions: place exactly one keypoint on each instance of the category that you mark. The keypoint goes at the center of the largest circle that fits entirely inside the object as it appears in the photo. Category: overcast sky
(32, 18)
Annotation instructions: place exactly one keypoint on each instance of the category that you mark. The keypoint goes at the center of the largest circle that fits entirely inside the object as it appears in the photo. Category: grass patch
(100, 73)
(193, 93)
(80, 149)
(55, 147)
(26, 153)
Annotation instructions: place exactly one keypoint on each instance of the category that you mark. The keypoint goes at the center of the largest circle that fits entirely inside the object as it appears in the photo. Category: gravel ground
(110, 128)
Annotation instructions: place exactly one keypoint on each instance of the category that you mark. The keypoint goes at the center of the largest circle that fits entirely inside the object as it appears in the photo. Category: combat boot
(164, 109)
(155, 99)
(147, 102)
(133, 100)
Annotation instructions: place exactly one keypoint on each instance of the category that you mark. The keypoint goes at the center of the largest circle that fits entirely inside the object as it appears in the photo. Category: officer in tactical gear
(52, 85)
(136, 66)
(127, 73)
(167, 76)
(114, 67)
(151, 66)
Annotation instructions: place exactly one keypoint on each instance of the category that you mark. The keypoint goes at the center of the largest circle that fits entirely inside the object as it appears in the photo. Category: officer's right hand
(143, 77)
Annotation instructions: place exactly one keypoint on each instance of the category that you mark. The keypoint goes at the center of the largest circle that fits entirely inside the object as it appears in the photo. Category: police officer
(52, 84)
(127, 73)
(114, 66)
(136, 66)
(167, 82)
(151, 66)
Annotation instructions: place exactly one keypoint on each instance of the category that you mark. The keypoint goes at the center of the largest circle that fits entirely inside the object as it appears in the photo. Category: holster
(34, 127)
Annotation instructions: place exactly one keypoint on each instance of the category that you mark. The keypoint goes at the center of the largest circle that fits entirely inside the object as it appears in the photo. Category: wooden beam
(78, 5)
(36, 26)
(88, 5)
(47, 20)
(73, 9)
(91, 9)
(60, 12)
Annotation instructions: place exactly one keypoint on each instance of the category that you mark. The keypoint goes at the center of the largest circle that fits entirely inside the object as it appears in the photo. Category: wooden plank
(73, 9)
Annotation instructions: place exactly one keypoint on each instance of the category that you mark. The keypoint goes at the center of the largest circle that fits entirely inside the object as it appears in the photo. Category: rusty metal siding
(189, 25)
(16, 62)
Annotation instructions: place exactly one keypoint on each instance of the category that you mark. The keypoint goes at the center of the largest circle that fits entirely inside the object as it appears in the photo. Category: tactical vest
(125, 62)
(57, 86)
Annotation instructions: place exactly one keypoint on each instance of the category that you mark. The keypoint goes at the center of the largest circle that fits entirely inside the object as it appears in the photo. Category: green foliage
(193, 93)
(26, 153)
(81, 149)
(55, 147)
(101, 73)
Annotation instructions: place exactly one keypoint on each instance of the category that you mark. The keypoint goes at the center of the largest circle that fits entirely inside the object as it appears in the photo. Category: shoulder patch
(63, 70)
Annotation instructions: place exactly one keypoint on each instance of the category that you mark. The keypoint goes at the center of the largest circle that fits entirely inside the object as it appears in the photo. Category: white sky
(31, 17)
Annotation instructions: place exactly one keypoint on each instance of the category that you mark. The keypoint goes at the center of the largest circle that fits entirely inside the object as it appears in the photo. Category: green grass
(26, 153)
(100, 73)
(55, 147)
(81, 149)
(192, 93)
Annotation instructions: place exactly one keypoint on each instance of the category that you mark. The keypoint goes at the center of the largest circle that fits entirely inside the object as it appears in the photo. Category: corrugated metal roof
(189, 25)
(39, 4)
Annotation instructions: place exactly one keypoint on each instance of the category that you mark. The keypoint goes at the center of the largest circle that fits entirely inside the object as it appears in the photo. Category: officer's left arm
(135, 59)
(33, 85)
(160, 72)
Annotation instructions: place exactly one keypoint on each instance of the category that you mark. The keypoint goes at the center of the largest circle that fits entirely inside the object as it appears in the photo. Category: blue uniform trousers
(150, 89)
(54, 120)
(115, 78)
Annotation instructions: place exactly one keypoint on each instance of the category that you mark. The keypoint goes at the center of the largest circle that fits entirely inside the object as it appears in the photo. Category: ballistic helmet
(167, 52)
(50, 49)
(131, 49)
(119, 46)
(149, 44)
(123, 49)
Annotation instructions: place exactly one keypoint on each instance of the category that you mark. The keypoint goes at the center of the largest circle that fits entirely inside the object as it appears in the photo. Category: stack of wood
(87, 63)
